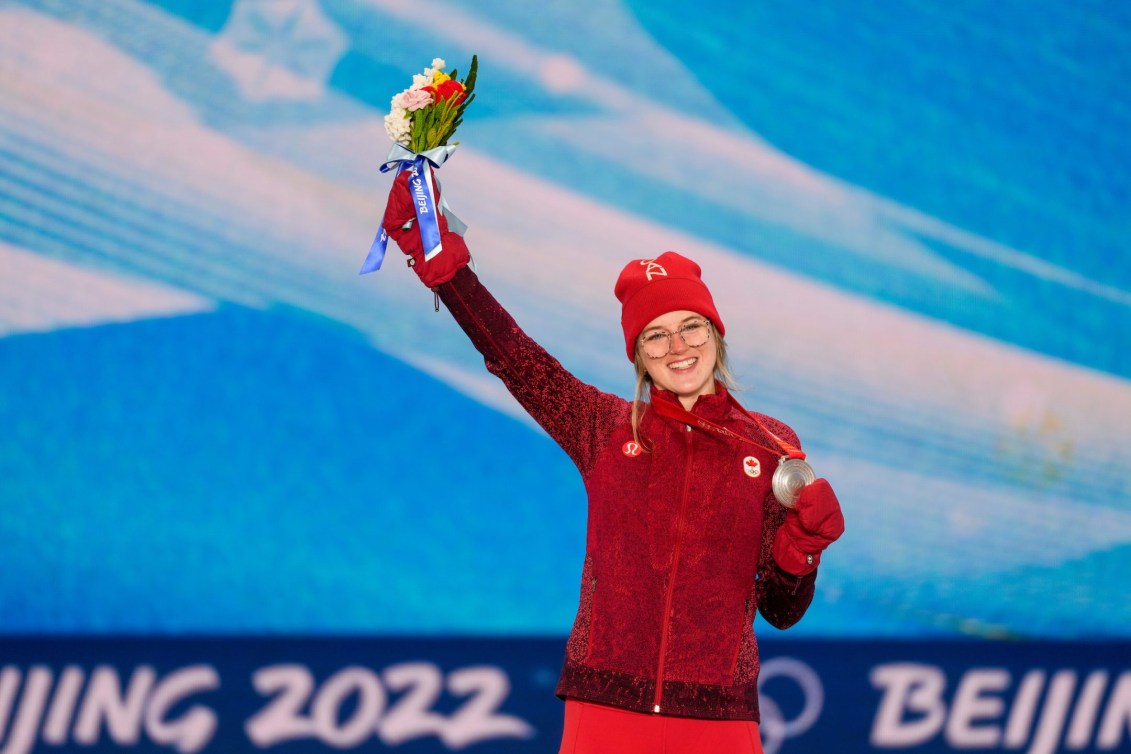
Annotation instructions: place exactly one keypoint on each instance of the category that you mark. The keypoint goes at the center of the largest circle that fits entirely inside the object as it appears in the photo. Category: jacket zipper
(667, 616)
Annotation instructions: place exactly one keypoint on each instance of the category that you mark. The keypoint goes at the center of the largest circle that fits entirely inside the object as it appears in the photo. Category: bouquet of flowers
(426, 115)
(422, 120)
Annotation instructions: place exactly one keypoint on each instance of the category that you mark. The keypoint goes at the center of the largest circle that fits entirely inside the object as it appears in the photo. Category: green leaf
(469, 83)
(463, 107)
(420, 128)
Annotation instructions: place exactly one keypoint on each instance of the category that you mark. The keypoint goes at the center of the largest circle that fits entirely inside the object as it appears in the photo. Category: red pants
(597, 729)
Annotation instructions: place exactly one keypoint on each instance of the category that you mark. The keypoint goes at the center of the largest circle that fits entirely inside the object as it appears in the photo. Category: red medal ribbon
(679, 413)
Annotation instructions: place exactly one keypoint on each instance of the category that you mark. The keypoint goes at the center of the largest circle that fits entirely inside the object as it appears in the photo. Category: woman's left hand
(814, 523)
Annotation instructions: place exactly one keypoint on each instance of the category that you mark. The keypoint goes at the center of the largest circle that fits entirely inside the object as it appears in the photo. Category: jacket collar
(715, 406)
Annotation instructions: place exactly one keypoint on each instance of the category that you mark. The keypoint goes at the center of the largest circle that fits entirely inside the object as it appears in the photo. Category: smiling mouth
(685, 364)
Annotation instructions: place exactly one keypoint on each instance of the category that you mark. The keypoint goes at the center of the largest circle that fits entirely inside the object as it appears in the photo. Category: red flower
(447, 90)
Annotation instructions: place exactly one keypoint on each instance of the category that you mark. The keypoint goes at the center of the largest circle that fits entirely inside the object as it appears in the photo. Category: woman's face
(686, 370)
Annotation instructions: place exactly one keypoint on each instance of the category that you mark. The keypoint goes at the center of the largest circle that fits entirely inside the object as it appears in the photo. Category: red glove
(400, 210)
(813, 524)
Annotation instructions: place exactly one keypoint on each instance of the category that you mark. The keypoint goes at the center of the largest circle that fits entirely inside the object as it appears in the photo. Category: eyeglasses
(656, 344)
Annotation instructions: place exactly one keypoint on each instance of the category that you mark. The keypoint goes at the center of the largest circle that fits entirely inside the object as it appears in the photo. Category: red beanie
(648, 288)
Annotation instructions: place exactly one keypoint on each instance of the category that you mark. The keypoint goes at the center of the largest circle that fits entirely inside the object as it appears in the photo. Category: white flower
(419, 81)
(398, 127)
(438, 64)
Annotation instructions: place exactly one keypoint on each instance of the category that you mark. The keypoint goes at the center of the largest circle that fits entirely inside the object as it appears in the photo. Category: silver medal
(790, 476)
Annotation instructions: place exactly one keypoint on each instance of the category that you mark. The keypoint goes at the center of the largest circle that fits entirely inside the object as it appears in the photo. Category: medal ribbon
(420, 184)
(679, 413)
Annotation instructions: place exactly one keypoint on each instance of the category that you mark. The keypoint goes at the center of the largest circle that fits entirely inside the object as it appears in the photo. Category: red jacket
(678, 550)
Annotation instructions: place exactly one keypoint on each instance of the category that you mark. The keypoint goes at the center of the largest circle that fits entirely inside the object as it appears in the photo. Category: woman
(685, 540)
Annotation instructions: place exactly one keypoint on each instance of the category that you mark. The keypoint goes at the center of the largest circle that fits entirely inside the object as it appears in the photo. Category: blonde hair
(643, 379)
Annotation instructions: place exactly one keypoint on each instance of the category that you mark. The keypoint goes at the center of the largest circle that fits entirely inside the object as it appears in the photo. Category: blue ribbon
(420, 184)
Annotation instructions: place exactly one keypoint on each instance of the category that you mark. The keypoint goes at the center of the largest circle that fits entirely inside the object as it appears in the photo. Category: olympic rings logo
(774, 727)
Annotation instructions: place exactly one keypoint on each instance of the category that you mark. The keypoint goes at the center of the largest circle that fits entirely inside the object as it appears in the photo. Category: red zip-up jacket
(679, 540)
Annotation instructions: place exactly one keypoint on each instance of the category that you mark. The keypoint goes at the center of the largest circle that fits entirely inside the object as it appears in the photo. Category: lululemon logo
(652, 267)
(631, 449)
(752, 466)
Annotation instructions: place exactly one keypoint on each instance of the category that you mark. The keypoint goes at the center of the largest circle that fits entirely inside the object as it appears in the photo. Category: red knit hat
(648, 288)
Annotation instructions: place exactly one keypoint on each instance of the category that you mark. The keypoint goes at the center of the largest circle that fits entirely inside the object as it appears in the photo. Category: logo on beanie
(653, 268)
(752, 466)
